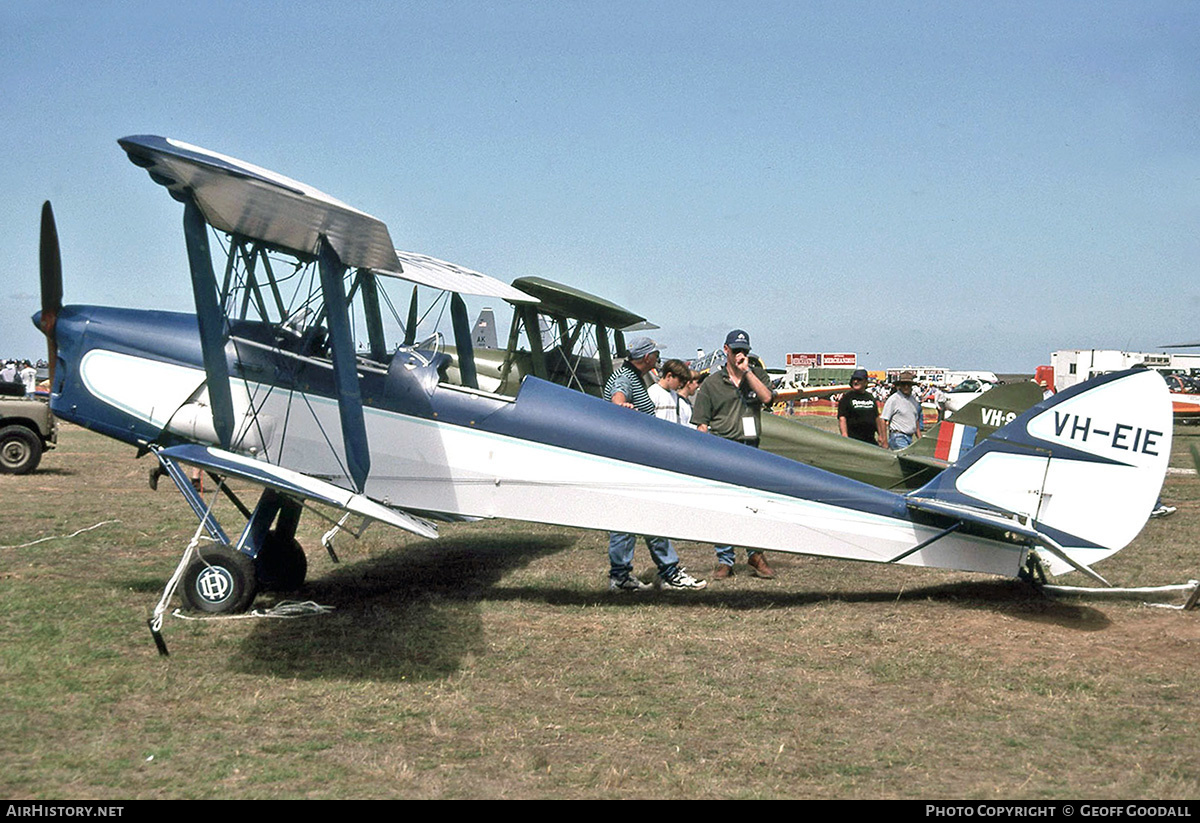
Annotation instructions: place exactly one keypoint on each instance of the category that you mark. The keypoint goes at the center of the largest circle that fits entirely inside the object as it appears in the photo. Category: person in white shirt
(667, 405)
(29, 377)
(902, 411)
(686, 392)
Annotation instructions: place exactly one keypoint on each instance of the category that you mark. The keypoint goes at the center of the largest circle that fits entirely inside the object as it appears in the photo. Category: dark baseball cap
(859, 374)
(738, 340)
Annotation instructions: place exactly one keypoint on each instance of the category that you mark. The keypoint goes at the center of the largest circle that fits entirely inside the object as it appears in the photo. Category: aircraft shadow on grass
(1013, 598)
(415, 614)
(411, 614)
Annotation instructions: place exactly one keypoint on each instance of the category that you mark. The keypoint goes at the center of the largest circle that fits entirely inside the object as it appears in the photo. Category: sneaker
(681, 581)
(628, 583)
(1163, 511)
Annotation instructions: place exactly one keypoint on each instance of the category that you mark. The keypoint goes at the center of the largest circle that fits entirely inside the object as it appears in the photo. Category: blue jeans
(620, 554)
(725, 554)
(899, 440)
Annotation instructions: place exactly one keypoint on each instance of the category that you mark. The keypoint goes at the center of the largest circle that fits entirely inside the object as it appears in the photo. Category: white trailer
(1073, 366)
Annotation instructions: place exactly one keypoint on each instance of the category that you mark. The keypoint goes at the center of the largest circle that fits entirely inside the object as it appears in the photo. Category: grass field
(493, 663)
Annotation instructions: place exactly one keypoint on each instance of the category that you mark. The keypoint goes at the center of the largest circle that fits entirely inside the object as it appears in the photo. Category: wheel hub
(14, 453)
(215, 584)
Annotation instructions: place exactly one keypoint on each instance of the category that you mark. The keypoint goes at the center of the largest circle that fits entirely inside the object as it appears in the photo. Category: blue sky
(958, 184)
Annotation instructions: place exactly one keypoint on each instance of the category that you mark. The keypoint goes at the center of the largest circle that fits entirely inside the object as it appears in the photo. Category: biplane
(285, 379)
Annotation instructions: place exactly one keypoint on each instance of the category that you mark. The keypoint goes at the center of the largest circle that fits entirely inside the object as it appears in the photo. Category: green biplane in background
(909, 468)
(571, 338)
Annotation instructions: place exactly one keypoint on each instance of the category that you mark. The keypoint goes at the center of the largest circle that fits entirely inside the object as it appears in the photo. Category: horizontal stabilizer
(986, 518)
(999, 522)
(295, 484)
(912, 463)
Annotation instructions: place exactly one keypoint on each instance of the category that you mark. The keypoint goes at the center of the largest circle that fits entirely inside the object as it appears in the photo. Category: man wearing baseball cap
(627, 387)
(729, 404)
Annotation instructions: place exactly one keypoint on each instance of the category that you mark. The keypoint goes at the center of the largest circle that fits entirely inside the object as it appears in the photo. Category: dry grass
(492, 663)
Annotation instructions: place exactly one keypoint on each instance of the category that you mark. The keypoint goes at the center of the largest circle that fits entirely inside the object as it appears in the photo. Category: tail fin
(1082, 469)
(483, 336)
(950, 440)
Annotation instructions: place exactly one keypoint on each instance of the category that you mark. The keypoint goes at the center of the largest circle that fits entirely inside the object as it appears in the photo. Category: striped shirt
(628, 381)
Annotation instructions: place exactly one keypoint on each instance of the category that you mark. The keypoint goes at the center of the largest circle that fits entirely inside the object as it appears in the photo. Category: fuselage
(548, 455)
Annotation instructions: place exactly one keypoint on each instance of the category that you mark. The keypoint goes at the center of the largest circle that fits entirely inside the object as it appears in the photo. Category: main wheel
(281, 563)
(220, 581)
(20, 450)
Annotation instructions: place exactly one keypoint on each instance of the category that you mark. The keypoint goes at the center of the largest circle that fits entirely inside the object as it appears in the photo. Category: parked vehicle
(27, 428)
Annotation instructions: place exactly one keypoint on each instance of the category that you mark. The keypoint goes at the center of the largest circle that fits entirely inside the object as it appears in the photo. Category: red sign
(839, 360)
(804, 361)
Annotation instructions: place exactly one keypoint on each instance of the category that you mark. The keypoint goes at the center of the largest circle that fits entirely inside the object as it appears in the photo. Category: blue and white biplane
(266, 382)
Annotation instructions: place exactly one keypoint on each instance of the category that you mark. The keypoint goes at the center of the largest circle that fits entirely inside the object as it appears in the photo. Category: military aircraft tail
(1077, 475)
(951, 439)
(483, 336)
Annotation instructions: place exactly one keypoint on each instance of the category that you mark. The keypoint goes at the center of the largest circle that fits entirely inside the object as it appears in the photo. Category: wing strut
(211, 319)
(410, 330)
(345, 366)
(533, 332)
(462, 341)
(605, 354)
(370, 292)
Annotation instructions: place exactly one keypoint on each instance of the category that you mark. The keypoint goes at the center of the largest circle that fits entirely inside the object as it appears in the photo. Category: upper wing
(241, 198)
(557, 298)
(429, 271)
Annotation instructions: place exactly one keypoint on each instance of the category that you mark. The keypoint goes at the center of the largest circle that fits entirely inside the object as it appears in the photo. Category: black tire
(220, 581)
(20, 450)
(281, 563)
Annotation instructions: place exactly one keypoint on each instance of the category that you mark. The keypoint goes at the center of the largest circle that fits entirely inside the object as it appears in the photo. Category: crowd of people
(20, 371)
(729, 403)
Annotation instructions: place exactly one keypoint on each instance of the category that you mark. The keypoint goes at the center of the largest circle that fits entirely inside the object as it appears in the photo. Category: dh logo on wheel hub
(214, 584)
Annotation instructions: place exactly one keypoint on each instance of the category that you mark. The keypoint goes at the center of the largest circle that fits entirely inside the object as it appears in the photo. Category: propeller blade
(50, 259)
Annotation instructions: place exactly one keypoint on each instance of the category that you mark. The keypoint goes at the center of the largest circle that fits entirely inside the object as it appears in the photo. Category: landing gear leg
(278, 557)
(1033, 571)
